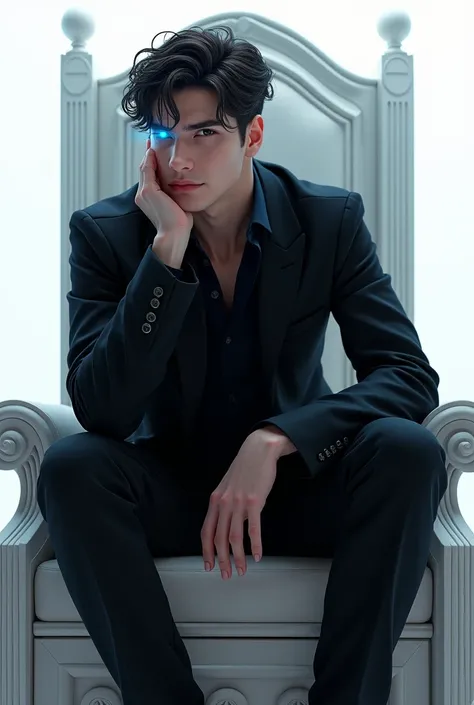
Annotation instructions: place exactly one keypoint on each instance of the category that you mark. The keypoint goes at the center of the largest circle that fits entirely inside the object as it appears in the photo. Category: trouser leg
(373, 513)
(110, 508)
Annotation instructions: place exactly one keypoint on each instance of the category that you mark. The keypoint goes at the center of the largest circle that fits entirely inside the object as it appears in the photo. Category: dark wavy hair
(209, 58)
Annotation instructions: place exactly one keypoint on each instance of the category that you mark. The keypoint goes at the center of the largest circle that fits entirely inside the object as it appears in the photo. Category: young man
(198, 309)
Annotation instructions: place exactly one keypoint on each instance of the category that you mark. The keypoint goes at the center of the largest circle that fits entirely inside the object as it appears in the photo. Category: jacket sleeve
(118, 352)
(394, 377)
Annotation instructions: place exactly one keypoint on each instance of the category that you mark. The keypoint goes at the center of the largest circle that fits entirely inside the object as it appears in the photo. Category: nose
(179, 160)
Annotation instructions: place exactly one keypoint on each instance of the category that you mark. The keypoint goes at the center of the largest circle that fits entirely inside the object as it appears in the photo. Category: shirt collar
(259, 213)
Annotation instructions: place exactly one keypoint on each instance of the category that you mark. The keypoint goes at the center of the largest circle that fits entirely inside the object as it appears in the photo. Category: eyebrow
(189, 128)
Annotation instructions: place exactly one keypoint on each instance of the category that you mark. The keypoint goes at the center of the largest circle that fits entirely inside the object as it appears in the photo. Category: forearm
(322, 430)
(110, 386)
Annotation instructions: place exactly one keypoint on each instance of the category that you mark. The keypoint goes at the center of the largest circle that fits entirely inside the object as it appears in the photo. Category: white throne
(352, 132)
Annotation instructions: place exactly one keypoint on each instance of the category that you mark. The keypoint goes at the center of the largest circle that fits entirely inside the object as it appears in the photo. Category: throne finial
(78, 26)
(394, 27)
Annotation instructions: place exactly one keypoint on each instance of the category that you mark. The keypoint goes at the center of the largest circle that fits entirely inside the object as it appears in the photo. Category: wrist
(275, 441)
(170, 248)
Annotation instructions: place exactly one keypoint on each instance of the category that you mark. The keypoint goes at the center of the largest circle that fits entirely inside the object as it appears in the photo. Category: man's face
(208, 155)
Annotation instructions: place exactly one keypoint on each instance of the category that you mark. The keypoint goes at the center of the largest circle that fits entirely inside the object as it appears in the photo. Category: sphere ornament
(394, 27)
(78, 26)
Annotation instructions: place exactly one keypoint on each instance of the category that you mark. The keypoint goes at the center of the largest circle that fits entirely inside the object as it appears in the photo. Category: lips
(184, 187)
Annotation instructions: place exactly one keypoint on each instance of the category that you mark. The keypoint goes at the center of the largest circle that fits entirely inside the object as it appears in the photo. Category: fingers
(208, 532)
(236, 539)
(222, 541)
(255, 530)
(148, 168)
(140, 175)
(224, 526)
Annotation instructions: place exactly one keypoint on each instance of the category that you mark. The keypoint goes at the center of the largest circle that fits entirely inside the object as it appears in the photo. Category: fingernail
(225, 574)
(240, 571)
(257, 558)
(207, 566)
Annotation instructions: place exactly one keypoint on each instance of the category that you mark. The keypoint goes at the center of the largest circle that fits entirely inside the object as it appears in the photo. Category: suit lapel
(279, 280)
(280, 276)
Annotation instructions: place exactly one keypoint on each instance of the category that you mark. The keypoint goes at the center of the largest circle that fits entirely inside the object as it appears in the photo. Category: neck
(222, 230)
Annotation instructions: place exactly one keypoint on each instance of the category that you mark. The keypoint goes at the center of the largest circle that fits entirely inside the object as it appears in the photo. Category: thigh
(79, 473)
(305, 516)
(174, 505)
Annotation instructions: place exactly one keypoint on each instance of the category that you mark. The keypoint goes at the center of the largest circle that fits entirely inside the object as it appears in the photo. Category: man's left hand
(240, 496)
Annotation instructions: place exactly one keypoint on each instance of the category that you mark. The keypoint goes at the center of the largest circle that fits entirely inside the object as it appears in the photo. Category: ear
(254, 136)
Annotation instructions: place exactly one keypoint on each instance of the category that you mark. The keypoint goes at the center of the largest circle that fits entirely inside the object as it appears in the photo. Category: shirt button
(228, 340)
(146, 328)
(154, 303)
(158, 291)
(214, 294)
(150, 317)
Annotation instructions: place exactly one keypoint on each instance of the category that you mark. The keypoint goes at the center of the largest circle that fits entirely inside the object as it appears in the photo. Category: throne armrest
(26, 431)
(452, 562)
(453, 425)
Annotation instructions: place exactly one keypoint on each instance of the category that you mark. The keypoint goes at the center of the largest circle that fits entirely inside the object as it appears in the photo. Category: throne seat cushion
(276, 590)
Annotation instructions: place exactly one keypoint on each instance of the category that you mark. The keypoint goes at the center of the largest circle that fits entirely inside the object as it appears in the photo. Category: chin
(193, 204)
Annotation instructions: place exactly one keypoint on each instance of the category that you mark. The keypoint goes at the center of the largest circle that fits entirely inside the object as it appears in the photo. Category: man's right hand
(173, 225)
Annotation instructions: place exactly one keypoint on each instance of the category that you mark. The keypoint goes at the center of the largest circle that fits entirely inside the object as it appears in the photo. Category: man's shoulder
(115, 222)
(117, 206)
(299, 188)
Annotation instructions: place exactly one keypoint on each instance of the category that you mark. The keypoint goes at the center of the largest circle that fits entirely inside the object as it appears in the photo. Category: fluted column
(396, 159)
(78, 146)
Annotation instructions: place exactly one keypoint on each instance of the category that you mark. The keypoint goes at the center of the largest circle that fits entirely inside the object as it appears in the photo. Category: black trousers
(112, 506)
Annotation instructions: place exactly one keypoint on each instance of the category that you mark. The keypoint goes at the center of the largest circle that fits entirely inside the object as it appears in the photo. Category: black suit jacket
(137, 357)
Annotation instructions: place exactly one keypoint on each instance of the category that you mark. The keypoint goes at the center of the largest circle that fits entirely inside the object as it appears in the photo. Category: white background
(31, 43)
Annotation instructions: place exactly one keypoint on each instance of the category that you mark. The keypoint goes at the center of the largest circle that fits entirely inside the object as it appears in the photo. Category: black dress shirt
(234, 399)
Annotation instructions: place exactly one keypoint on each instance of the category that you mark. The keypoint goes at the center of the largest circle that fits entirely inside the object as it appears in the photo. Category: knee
(411, 450)
(68, 465)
